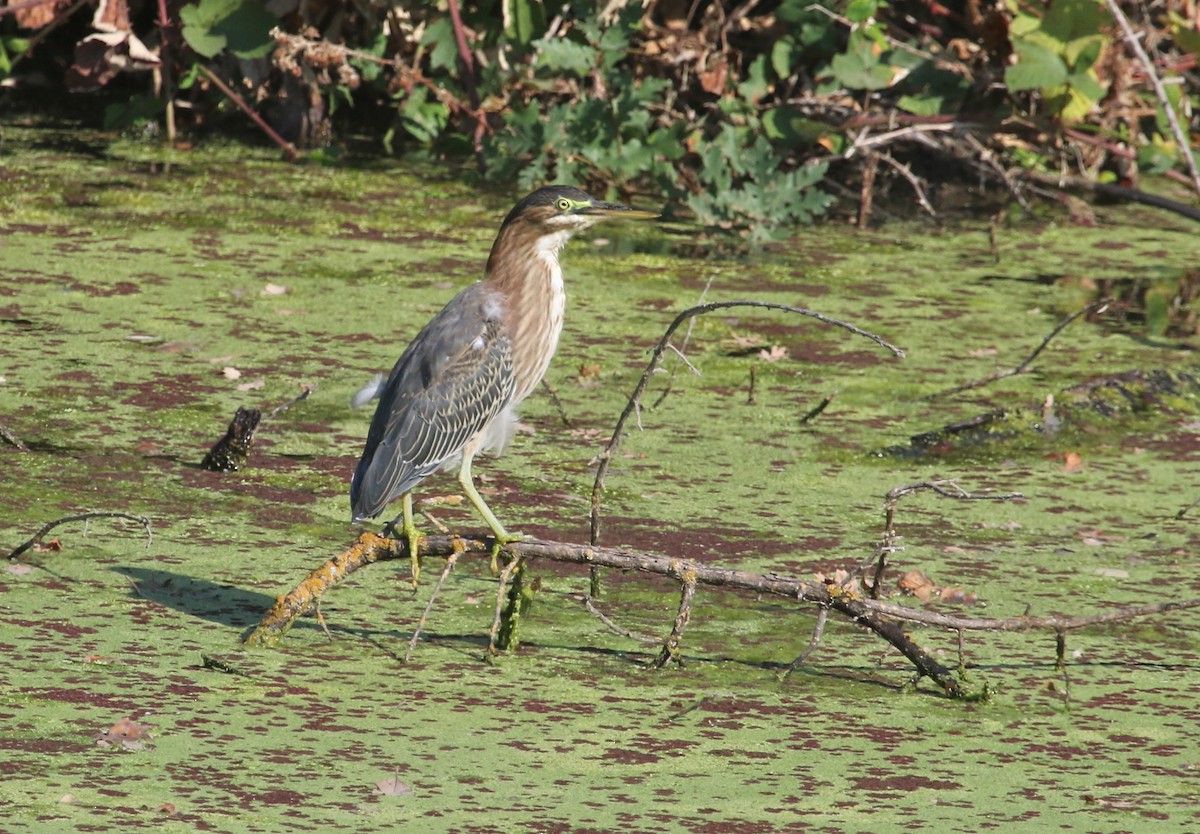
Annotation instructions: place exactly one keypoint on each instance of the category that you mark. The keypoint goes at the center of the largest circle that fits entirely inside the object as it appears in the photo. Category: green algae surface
(145, 295)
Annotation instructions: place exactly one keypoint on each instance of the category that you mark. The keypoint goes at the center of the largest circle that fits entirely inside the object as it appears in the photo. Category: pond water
(146, 294)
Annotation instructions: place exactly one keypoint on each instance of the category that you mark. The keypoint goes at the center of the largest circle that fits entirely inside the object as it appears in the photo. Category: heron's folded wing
(453, 379)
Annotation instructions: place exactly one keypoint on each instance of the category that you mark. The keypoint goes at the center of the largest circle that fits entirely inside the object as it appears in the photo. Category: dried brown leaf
(126, 733)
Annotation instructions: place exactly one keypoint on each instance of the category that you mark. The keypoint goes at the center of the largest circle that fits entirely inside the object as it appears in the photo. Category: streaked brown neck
(523, 269)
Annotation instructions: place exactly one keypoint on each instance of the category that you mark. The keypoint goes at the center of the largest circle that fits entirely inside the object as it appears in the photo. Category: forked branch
(633, 406)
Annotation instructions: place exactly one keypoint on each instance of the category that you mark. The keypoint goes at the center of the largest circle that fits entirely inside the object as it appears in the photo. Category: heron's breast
(537, 312)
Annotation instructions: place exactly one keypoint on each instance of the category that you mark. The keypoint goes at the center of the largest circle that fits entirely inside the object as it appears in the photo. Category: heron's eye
(564, 204)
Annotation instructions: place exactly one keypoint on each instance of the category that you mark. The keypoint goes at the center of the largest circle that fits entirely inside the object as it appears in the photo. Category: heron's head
(562, 210)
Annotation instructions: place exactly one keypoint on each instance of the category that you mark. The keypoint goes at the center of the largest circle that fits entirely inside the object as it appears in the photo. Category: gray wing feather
(454, 378)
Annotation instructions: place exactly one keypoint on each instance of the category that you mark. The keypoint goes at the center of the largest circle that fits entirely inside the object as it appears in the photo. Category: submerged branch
(1023, 367)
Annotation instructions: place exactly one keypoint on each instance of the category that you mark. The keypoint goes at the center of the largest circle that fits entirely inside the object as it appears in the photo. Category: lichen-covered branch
(289, 607)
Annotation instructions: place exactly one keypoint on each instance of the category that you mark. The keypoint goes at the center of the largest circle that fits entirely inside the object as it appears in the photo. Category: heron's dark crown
(543, 203)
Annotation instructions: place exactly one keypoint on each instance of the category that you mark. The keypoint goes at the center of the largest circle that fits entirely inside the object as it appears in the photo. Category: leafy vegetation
(738, 111)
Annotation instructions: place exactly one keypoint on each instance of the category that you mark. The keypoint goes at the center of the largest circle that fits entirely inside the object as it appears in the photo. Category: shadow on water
(225, 605)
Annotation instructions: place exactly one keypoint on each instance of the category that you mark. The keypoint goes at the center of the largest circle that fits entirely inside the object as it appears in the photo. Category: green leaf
(931, 90)
(782, 53)
(136, 111)
(614, 42)
(789, 126)
(859, 67)
(558, 55)
(198, 22)
(1088, 85)
(241, 26)
(1186, 38)
(1158, 310)
(1068, 20)
(189, 78)
(528, 21)
(1083, 53)
(756, 84)
(860, 11)
(370, 70)
(1074, 105)
(424, 118)
(1037, 67)
(444, 52)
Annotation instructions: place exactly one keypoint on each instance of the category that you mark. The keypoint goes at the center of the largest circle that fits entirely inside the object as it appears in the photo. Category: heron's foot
(414, 537)
(501, 541)
(411, 535)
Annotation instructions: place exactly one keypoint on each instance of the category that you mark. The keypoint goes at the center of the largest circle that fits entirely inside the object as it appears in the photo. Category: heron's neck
(528, 276)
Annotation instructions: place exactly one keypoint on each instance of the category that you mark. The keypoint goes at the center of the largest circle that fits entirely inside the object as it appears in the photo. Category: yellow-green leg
(413, 535)
(502, 536)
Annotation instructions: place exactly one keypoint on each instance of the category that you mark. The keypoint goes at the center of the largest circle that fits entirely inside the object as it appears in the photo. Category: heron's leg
(413, 535)
(503, 537)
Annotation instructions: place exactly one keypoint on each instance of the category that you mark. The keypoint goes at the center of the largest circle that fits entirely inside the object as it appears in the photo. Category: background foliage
(738, 109)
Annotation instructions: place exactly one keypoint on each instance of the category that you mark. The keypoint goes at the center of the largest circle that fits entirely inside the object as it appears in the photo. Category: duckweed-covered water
(145, 295)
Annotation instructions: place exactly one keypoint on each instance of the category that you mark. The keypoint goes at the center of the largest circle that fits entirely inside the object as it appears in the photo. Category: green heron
(454, 390)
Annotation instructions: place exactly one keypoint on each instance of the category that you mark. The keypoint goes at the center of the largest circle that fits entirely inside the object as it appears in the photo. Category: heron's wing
(453, 379)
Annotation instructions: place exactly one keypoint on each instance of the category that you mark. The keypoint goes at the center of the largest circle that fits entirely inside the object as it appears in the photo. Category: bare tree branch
(635, 399)
(887, 620)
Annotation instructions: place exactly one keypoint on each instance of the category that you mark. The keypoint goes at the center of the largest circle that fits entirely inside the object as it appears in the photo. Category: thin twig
(670, 649)
(816, 410)
(1095, 306)
(289, 150)
(1181, 137)
(986, 161)
(608, 622)
(634, 403)
(889, 542)
(305, 390)
(164, 69)
(913, 180)
(1187, 509)
(1119, 192)
(84, 517)
(813, 642)
(866, 191)
(501, 598)
(895, 43)
(914, 132)
(468, 62)
(562, 412)
(687, 338)
(412, 644)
